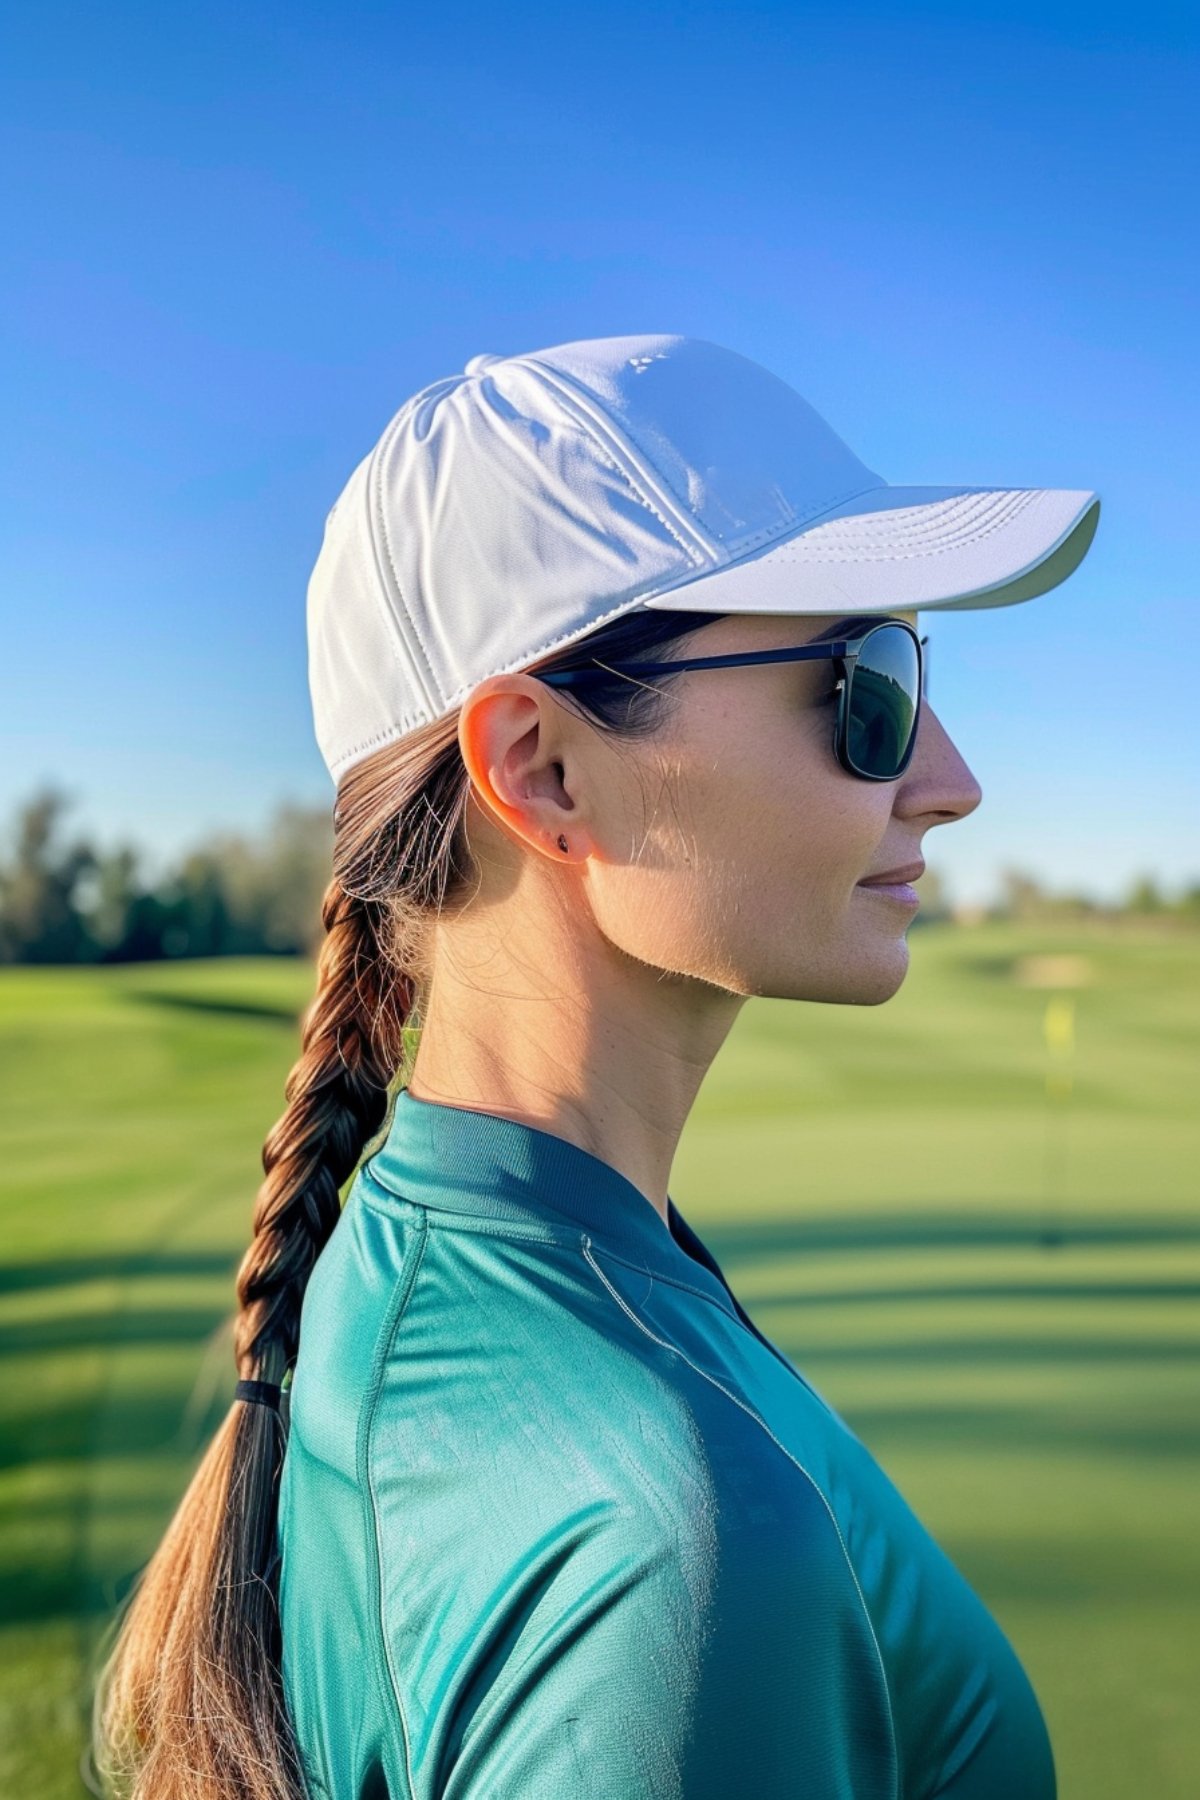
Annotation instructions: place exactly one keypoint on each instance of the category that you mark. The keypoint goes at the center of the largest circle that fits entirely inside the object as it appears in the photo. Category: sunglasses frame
(845, 650)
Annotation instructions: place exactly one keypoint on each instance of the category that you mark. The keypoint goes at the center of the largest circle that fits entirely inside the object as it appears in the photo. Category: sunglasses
(881, 681)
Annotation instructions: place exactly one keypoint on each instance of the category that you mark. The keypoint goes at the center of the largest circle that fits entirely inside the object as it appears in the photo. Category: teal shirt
(558, 1522)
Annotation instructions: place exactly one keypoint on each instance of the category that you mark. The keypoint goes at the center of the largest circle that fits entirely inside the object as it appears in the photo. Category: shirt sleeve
(641, 1664)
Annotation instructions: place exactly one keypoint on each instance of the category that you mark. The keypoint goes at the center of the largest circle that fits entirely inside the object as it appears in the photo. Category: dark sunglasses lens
(885, 690)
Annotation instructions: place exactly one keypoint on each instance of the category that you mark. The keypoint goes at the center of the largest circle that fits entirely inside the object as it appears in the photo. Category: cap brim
(898, 549)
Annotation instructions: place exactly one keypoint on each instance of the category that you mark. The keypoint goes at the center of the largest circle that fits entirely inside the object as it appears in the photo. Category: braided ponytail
(189, 1704)
(337, 1099)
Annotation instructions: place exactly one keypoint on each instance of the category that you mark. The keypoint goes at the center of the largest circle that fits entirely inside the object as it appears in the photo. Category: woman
(613, 661)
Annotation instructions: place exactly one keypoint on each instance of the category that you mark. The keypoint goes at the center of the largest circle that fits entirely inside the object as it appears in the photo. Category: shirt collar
(456, 1159)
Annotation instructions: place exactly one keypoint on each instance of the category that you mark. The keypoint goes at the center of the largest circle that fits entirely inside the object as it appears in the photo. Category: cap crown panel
(746, 454)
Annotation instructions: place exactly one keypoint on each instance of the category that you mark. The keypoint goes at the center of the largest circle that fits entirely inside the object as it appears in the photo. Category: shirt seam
(567, 1237)
(390, 1683)
(675, 1281)
(445, 1218)
(731, 1313)
(816, 1488)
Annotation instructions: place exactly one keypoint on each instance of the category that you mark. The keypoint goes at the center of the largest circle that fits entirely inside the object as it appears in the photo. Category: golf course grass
(970, 1215)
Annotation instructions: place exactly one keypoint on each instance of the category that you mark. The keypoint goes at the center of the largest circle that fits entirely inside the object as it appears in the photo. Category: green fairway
(999, 1287)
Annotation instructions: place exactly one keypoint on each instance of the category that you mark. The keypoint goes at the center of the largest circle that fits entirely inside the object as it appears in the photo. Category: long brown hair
(189, 1704)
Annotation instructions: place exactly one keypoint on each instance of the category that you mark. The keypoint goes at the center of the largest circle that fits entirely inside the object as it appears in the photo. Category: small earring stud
(562, 842)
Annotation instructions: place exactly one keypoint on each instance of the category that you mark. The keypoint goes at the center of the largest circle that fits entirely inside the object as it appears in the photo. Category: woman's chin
(874, 974)
(867, 975)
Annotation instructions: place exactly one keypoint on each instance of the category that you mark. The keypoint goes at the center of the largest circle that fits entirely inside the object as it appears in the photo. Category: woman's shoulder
(427, 1335)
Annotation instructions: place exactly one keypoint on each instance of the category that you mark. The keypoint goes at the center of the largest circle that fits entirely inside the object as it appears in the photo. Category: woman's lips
(901, 891)
(896, 884)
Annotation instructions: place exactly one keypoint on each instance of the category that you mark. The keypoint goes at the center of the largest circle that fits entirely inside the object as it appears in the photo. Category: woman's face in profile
(755, 843)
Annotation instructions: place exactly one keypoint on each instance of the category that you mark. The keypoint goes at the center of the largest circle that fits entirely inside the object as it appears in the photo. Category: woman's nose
(937, 780)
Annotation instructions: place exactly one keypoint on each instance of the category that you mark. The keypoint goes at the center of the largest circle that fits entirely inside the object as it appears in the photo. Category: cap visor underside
(896, 549)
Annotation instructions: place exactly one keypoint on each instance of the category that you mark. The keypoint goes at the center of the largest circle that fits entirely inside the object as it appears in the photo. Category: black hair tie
(265, 1392)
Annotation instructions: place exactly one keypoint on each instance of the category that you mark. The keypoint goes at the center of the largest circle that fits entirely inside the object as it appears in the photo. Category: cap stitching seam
(406, 721)
(950, 509)
(374, 485)
(958, 543)
(377, 473)
(795, 539)
(744, 553)
(403, 724)
(874, 524)
(563, 637)
(800, 519)
(574, 406)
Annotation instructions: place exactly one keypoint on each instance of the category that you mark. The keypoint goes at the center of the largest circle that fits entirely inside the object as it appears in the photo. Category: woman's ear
(511, 739)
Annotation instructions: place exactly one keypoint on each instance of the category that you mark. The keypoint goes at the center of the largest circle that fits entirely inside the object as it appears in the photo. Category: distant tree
(1188, 904)
(40, 878)
(196, 905)
(1145, 896)
(1024, 898)
(235, 895)
(298, 857)
(124, 919)
(1022, 895)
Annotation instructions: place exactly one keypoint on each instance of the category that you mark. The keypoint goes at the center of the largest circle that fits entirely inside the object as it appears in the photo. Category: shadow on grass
(1020, 1430)
(67, 1271)
(758, 1241)
(212, 1003)
(81, 1428)
(1047, 1575)
(926, 1293)
(129, 1326)
(146, 1444)
(954, 1350)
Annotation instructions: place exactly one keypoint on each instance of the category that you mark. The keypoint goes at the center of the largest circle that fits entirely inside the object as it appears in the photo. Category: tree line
(64, 900)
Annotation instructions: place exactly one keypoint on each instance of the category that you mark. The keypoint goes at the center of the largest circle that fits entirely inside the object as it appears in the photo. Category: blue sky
(235, 238)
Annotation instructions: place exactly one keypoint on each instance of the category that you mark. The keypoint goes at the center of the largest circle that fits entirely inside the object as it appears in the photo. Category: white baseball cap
(518, 506)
